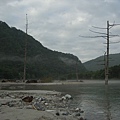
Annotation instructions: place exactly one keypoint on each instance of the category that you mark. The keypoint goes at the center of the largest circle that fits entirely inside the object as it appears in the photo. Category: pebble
(77, 109)
(37, 106)
(46, 104)
(63, 98)
(81, 118)
(77, 114)
(49, 102)
(65, 113)
(67, 96)
(57, 113)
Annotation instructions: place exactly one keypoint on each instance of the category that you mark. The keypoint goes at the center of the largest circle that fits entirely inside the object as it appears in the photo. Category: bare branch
(111, 36)
(92, 36)
(97, 32)
(114, 42)
(105, 37)
(112, 25)
(98, 27)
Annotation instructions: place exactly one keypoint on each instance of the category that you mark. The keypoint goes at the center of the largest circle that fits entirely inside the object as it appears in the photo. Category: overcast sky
(58, 24)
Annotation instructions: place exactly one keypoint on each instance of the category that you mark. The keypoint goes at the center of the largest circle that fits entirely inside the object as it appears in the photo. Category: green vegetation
(98, 63)
(114, 73)
(96, 70)
(42, 63)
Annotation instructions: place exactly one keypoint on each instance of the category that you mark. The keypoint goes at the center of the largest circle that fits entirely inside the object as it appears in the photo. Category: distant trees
(114, 73)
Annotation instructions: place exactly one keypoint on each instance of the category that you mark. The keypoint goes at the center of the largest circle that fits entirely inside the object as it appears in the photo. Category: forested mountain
(41, 61)
(98, 63)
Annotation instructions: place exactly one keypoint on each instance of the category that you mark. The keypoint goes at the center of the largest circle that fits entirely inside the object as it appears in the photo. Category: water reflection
(107, 101)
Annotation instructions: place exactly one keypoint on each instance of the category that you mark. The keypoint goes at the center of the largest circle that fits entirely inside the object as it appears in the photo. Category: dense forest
(42, 63)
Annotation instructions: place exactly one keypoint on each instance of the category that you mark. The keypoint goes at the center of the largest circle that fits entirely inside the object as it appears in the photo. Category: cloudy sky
(58, 24)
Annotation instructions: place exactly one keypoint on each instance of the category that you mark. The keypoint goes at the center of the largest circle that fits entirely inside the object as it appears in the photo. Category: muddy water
(99, 102)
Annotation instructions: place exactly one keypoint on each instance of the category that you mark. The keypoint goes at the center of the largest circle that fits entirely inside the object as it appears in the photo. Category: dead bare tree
(25, 54)
(107, 36)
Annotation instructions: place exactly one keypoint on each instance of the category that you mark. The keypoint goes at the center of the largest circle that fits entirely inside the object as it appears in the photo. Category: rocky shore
(43, 105)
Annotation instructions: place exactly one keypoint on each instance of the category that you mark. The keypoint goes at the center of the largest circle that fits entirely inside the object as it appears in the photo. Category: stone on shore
(47, 102)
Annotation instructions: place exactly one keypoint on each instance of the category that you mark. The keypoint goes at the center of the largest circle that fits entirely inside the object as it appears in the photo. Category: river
(99, 101)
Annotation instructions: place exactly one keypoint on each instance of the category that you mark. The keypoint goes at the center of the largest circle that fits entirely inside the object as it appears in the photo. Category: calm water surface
(99, 102)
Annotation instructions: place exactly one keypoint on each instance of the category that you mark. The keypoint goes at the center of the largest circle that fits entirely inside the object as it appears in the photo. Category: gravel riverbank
(46, 105)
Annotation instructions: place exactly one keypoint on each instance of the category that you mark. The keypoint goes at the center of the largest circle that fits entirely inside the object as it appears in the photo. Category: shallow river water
(99, 101)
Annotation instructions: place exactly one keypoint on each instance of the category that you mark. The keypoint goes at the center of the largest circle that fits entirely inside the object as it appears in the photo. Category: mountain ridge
(41, 61)
(98, 63)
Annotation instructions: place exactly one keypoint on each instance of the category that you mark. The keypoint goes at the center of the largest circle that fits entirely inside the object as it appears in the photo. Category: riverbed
(99, 101)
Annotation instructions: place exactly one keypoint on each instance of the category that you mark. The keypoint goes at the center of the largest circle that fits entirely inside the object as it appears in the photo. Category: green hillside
(98, 63)
(41, 61)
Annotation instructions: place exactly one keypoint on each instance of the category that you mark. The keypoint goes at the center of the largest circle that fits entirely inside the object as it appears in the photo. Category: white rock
(63, 98)
(46, 104)
(77, 109)
(67, 96)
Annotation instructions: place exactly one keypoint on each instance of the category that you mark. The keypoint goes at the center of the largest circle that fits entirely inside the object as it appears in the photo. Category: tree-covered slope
(41, 61)
(98, 63)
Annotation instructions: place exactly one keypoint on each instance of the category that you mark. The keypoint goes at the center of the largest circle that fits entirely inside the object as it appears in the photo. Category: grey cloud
(57, 24)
